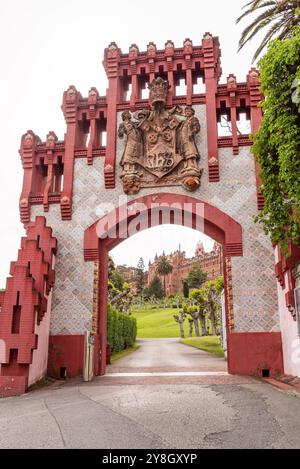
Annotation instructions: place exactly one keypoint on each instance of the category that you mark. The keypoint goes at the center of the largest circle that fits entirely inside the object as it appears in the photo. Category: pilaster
(232, 88)
(111, 62)
(69, 107)
(28, 150)
(211, 79)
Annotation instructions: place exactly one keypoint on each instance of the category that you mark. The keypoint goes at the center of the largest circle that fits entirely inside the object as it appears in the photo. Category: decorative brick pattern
(229, 293)
(95, 324)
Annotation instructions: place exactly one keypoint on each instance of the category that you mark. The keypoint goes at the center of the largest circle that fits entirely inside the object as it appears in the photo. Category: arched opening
(142, 213)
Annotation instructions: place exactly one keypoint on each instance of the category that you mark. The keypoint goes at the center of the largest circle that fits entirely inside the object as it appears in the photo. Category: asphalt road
(165, 395)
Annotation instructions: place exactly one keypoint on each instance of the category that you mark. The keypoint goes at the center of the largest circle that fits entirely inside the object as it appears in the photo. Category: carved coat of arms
(160, 144)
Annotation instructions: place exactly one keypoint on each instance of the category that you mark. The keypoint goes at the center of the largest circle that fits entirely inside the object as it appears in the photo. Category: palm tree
(164, 268)
(281, 15)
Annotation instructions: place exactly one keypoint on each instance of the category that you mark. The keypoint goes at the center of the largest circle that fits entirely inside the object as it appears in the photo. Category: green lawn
(158, 323)
(209, 344)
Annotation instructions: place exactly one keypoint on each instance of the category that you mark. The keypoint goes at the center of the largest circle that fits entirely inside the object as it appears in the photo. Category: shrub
(121, 330)
(277, 143)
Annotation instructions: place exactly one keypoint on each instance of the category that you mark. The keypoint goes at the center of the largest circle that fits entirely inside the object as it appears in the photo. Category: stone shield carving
(160, 146)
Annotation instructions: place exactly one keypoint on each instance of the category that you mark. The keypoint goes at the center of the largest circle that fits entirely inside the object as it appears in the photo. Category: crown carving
(159, 89)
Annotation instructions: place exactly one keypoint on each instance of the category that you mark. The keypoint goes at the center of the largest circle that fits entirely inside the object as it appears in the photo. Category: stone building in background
(210, 262)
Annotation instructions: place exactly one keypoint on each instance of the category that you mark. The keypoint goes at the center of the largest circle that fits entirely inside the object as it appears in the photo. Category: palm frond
(288, 27)
(268, 16)
(260, 26)
(263, 5)
(282, 13)
(253, 3)
(272, 31)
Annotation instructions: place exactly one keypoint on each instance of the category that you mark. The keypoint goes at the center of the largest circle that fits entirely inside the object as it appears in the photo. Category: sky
(48, 45)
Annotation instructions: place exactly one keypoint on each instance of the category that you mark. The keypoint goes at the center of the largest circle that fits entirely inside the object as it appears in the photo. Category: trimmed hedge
(121, 330)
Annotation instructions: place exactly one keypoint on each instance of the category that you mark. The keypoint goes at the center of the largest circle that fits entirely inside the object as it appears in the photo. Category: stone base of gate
(255, 354)
(13, 385)
(66, 356)
(252, 354)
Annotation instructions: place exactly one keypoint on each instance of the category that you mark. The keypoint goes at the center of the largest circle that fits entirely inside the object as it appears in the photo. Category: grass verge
(123, 353)
(210, 344)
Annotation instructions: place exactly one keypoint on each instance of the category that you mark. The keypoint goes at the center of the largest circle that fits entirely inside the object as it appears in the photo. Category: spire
(199, 249)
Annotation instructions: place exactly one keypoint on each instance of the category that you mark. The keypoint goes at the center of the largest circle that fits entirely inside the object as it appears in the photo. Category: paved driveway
(168, 355)
(165, 395)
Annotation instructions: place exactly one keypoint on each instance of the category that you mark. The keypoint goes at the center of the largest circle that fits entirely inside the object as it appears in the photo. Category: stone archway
(248, 353)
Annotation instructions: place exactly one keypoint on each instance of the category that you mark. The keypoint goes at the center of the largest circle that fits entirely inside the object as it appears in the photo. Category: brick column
(211, 114)
(232, 87)
(69, 107)
(111, 62)
(151, 55)
(50, 146)
(169, 54)
(134, 90)
(133, 55)
(92, 114)
(187, 52)
(28, 148)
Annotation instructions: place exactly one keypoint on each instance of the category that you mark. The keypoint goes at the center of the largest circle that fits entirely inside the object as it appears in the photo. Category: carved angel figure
(134, 144)
(187, 146)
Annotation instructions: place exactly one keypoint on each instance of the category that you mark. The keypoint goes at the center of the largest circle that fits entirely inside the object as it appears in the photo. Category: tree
(140, 276)
(119, 292)
(120, 300)
(111, 267)
(212, 291)
(200, 297)
(146, 294)
(164, 268)
(196, 276)
(186, 289)
(218, 284)
(155, 288)
(213, 303)
(194, 313)
(280, 15)
(180, 318)
(191, 326)
(277, 142)
(117, 279)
